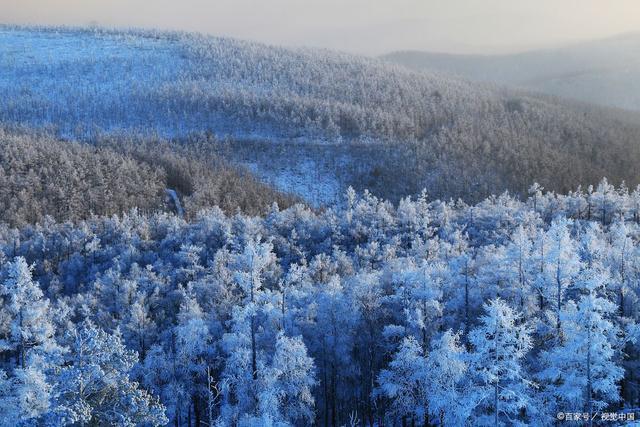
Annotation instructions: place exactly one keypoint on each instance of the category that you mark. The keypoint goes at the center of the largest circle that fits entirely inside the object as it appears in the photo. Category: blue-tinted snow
(79, 83)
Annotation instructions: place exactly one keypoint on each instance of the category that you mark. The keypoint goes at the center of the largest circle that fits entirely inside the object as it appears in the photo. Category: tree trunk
(466, 303)
(495, 405)
(283, 310)
(21, 346)
(559, 302)
(334, 412)
(495, 390)
(622, 278)
(254, 363)
(325, 390)
(196, 410)
(589, 384)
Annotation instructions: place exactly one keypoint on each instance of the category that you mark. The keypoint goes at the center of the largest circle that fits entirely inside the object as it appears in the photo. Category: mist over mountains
(603, 72)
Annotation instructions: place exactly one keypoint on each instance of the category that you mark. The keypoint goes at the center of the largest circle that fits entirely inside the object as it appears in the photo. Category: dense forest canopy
(501, 312)
(42, 176)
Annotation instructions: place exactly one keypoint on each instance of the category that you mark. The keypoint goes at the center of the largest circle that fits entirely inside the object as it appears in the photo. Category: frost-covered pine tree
(447, 369)
(580, 373)
(239, 385)
(519, 265)
(406, 382)
(251, 266)
(94, 385)
(605, 201)
(414, 218)
(500, 343)
(176, 370)
(30, 330)
(562, 264)
(286, 385)
(193, 350)
(139, 328)
(330, 339)
(535, 195)
(243, 364)
(282, 392)
(622, 263)
(419, 291)
(24, 397)
(593, 248)
(27, 343)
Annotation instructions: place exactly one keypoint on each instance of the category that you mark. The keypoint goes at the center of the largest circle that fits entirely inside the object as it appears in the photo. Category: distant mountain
(310, 121)
(604, 72)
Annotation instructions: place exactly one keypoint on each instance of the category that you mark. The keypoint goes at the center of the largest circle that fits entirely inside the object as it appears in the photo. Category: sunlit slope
(392, 130)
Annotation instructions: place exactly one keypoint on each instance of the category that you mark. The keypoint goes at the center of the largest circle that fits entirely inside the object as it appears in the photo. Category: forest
(201, 231)
(456, 138)
(427, 312)
(41, 176)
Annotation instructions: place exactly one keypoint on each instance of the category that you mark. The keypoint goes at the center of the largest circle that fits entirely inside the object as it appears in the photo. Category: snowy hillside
(83, 81)
(398, 131)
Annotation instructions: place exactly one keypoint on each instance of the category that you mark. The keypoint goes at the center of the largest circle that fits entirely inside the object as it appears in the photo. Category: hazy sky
(364, 26)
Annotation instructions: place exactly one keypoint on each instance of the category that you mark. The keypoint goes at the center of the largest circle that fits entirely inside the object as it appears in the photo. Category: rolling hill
(604, 72)
(309, 121)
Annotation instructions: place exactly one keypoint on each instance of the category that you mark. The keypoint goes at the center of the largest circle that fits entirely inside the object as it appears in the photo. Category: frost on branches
(429, 312)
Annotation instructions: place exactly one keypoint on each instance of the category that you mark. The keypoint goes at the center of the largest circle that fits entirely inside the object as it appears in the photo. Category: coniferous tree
(581, 372)
(500, 344)
(94, 385)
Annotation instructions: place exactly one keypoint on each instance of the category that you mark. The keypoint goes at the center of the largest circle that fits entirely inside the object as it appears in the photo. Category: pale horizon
(358, 26)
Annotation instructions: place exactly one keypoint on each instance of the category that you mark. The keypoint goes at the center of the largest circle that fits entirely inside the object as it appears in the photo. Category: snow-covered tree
(419, 293)
(519, 258)
(447, 367)
(333, 317)
(251, 267)
(286, 390)
(29, 332)
(581, 372)
(28, 343)
(24, 397)
(94, 385)
(406, 383)
(500, 344)
(562, 264)
(177, 369)
(621, 262)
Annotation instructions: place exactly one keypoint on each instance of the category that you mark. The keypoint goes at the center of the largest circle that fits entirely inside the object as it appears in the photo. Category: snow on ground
(308, 179)
(77, 81)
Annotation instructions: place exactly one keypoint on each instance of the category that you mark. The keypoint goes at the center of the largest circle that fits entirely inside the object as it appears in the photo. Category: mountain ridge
(602, 71)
